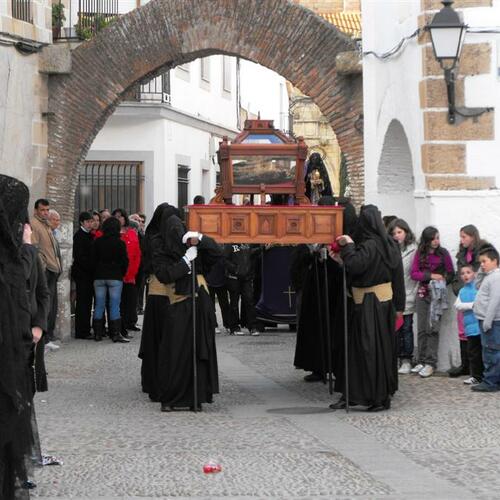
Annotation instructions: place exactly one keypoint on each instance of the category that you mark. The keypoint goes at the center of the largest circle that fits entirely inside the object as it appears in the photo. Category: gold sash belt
(158, 288)
(383, 292)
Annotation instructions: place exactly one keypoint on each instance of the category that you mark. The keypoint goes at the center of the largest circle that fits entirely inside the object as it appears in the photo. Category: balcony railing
(21, 9)
(156, 90)
(85, 18)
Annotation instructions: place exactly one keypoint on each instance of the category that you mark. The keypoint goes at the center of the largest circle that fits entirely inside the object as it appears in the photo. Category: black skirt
(373, 376)
(152, 329)
(175, 360)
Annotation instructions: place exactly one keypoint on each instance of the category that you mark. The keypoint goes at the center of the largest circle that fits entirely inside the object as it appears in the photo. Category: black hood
(371, 227)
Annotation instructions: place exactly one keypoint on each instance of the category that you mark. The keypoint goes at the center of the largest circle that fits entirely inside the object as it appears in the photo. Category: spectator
(405, 239)
(96, 225)
(140, 280)
(129, 291)
(105, 214)
(487, 311)
(48, 248)
(54, 223)
(199, 200)
(81, 273)
(110, 262)
(216, 280)
(433, 269)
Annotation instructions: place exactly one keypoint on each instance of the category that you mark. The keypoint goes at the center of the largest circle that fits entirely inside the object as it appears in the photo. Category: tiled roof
(347, 22)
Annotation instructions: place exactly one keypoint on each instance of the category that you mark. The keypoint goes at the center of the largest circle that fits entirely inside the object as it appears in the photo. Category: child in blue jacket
(464, 303)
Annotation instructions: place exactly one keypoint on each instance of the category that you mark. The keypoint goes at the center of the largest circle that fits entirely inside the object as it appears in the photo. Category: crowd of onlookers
(428, 270)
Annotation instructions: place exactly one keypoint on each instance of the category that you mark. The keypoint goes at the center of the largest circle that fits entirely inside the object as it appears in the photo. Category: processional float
(262, 163)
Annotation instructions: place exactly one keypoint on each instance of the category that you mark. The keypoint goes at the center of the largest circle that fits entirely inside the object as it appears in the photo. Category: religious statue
(317, 180)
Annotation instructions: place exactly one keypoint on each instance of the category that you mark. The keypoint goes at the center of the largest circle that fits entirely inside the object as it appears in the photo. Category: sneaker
(417, 368)
(426, 371)
(254, 333)
(218, 330)
(405, 368)
(471, 381)
(239, 332)
(51, 346)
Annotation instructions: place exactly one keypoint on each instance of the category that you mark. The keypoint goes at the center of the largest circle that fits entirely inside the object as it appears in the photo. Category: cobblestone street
(270, 431)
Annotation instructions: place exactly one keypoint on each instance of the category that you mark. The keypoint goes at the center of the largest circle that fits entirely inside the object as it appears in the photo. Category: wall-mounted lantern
(447, 32)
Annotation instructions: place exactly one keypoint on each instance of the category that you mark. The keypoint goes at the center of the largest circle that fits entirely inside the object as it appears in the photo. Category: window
(110, 184)
(182, 188)
(21, 9)
(226, 74)
(183, 72)
(205, 69)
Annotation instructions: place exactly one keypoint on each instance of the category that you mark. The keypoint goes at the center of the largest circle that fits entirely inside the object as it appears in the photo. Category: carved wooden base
(267, 224)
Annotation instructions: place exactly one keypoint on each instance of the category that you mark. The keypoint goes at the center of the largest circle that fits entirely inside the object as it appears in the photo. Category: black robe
(311, 350)
(155, 311)
(373, 376)
(175, 357)
(18, 435)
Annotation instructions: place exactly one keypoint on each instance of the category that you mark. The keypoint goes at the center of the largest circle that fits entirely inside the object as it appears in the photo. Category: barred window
(21, 9)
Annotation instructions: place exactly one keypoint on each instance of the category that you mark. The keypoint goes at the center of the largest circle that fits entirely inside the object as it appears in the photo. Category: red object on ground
(211, 468)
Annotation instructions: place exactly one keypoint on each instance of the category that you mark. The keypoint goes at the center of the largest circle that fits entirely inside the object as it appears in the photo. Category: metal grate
(156, 90)
(21, 9)
(110, 185)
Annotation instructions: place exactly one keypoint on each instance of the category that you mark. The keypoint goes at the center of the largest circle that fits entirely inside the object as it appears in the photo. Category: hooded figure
(173, 255)
(18, 436)
(156, 301)
(308, 280)
(375, 270)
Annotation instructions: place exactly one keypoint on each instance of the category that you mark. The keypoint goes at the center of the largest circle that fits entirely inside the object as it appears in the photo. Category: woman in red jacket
(129, 292)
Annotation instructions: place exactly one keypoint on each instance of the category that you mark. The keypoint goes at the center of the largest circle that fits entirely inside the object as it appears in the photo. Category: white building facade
(418, 166)
(175, 134)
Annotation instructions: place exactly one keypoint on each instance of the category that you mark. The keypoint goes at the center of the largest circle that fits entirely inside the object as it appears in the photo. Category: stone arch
(290, 40)
(395, 179)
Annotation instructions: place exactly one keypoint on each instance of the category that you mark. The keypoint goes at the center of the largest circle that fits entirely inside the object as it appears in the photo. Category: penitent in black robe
(156, 305)
(373, 377)
(175, 357)
(311, 350)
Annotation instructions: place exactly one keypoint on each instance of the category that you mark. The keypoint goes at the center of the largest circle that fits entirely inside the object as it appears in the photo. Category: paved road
(270, 431)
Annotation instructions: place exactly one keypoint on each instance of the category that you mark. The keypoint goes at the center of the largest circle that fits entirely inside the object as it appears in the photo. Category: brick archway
(288, 39)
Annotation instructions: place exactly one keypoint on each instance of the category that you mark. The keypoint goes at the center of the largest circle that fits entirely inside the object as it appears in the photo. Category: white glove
(191, 234)
(191, 253)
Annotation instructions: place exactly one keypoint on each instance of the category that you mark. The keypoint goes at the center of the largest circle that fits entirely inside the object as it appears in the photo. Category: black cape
(373, 377)
(175, 357)
(155, 311)
(311, 350)
(18, 435)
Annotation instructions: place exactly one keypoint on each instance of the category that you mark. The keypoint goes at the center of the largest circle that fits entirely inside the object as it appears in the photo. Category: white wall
(264, 91)
(205, 99)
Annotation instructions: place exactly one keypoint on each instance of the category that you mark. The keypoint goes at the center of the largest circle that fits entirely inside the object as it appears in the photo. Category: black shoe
(458, 371)
(134, 328)
(126, 335)
(166, 408)
(339, 405)
(98, 327)
(120, 339)
(313, 377)
(85, 336)
(380, 406)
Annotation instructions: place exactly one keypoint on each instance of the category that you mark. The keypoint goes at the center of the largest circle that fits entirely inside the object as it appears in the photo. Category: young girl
(403, 235)
(433, 268)
(468, 253)
(463, 304)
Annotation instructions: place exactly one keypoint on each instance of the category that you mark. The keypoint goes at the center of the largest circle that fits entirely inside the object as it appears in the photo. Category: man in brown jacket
(48, 247)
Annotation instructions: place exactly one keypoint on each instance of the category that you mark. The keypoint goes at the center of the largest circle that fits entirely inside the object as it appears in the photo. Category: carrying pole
(324, 256)
(346, 340)
(195, 364)
(320, 317)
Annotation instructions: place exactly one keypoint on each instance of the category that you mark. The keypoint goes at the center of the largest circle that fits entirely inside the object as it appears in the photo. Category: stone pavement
(270, 431)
